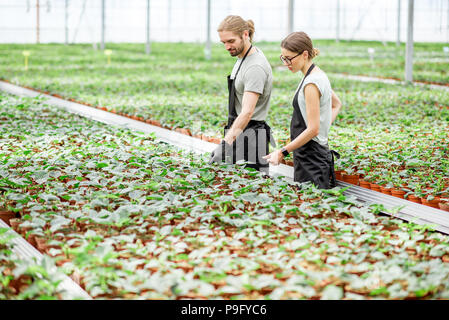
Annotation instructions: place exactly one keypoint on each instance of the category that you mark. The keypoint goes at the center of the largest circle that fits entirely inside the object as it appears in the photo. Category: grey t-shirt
(255, 75)
(322, 82)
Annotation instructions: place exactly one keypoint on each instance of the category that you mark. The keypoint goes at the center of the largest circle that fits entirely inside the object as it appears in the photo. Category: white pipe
(398, 40)
(409, 47)
(337, 37)
(102, 24)
(208, 45)
(291, 22)
(148, 45)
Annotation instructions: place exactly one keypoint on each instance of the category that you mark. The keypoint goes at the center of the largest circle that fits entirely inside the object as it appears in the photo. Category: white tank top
(322, 83)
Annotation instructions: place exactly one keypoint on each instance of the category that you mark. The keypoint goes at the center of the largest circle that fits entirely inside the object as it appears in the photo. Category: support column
(409, 47)
(102, 46)
(66, 22)
(37, 21)
(169, 26)
(337, 36)
(148, 44)
(447, 26)
(291, 21)
(398, 40)
(207, 50)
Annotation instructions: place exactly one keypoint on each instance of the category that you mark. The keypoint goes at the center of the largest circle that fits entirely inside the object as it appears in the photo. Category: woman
(315, 107)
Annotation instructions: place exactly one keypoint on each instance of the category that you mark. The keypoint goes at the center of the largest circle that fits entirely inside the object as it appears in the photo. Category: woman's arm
(312, 97)
(336, 106)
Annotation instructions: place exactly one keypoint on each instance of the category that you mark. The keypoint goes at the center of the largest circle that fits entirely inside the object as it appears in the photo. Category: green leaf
(102, 165)
(379, 291)
(177, 232)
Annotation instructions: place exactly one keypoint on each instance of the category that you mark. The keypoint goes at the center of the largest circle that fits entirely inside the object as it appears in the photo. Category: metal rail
(70, 290)
(410, 211)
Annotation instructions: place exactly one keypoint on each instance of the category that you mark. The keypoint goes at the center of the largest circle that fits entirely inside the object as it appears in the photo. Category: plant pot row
(134, 117)
(356, 180)
(157, 123)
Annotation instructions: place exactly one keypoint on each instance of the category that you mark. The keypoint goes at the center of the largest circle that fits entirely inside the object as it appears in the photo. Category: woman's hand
(275, 157)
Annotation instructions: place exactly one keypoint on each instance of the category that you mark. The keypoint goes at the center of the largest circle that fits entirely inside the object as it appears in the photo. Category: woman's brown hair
(300, 42)
(237, 25)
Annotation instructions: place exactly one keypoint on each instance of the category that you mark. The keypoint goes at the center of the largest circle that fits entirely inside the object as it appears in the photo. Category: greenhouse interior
(224, 150)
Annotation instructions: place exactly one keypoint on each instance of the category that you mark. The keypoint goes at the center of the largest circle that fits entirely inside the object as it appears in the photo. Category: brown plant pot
(444, 206)
(375, 187)
(41, 243)
(432, 203)
(338, 174)
(385, 190)
(214, 140)
(413, 198)
(6, 216)
(20, 283)
(23, 231)
(398, 193)
(156, 123)
(364, 184)
(351, 178)
(32, 240)
(61, 262)
(183, 131)
(14, 223)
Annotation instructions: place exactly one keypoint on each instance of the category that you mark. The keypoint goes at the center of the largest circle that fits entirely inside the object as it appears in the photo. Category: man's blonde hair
(237, 25)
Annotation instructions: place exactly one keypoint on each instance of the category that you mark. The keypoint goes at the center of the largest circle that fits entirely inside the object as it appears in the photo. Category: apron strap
(244, 57)
(232, 114)
(333, 178)
(300, 86)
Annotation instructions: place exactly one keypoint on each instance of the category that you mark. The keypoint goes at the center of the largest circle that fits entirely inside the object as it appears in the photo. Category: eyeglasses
(288, 61)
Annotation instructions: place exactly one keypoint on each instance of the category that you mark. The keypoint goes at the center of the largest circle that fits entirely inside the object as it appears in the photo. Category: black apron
(252, 144)
(312, 162)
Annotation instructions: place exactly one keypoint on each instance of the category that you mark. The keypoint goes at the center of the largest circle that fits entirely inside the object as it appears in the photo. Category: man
(247, 134)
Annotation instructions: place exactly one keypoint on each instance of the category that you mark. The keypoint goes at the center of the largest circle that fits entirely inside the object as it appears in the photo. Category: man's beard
(238, 51)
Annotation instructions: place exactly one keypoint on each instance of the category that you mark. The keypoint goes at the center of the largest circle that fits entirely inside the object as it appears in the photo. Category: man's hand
(275, 157)
(222, 150)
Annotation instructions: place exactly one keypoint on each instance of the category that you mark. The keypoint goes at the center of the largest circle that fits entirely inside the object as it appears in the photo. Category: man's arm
(248, 106)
